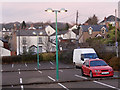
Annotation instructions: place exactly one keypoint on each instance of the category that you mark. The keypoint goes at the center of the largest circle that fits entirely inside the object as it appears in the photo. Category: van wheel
(82, 72)
(91, 74)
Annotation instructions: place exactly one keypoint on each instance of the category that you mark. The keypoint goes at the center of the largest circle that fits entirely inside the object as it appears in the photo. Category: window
(90, 30)
(40, 40)
(24, 49)
(24, 40)
(103, 30)
(40, 49)
(98, 63)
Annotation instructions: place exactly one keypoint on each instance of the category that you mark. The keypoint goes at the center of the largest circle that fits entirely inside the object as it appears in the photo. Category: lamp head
(63, 10)
(49, 10)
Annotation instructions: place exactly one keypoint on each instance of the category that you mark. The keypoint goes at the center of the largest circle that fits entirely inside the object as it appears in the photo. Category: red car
(96, 68)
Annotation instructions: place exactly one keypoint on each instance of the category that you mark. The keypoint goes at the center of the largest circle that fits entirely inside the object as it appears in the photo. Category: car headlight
(97, 70)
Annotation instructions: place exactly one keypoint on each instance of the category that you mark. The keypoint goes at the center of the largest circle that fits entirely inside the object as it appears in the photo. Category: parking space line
(35, 68)
(19, 71)
(25, 64)
(39, 64)
(51, 78)
(12, 86)
(1, 70)
(104, 84)
(63, 86)
(21, 83)
(52, 67)
(39, 71)
(80, 76)
(12, 65)
(51, 63)
(60, 70)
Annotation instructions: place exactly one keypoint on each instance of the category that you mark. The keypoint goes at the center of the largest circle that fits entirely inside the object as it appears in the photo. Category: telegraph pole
(116, 43)
(77, 18)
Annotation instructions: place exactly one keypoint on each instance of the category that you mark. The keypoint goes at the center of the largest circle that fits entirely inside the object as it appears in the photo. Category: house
(27, 41)
(119, 9)
(3, 51)
(110, 20)
(6, 33)
(92, 31)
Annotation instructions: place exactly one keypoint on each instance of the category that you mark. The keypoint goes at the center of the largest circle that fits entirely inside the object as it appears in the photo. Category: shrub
(115, 63)
(48, 56)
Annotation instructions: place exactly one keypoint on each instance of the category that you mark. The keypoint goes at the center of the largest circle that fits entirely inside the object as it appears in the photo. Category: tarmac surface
(27, 76)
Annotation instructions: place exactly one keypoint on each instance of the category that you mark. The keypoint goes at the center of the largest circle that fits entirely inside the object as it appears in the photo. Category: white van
(82, 54)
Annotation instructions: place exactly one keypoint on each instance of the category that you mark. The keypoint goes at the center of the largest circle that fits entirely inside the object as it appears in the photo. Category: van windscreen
(90, 55)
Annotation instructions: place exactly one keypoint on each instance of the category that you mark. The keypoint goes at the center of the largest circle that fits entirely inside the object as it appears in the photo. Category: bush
(66, 56)
(28, 58)
(115, 63)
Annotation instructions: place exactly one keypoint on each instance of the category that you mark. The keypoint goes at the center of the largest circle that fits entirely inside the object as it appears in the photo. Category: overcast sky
(34, 11)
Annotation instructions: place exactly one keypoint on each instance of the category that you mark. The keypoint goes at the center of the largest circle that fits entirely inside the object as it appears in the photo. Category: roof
(60, 32)
(76, 31)
(94, 27)
(110, 19)
(3, 40)
(30, 32)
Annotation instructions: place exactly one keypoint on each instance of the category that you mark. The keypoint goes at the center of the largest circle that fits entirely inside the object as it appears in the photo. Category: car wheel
(82, 72)
(91, 74)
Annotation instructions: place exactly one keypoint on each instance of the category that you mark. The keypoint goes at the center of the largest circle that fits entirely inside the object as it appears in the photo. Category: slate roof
(30, 32)
(110, 18)
(60, 32)
(94, 27)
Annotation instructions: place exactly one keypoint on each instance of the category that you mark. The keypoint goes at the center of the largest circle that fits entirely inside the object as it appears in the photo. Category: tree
(23, 25)
(92, 20)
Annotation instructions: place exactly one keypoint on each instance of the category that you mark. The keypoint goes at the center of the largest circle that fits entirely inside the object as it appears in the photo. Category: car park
(96, 68)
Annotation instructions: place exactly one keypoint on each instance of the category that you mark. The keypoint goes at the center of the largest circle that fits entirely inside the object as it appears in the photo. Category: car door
(87, 68)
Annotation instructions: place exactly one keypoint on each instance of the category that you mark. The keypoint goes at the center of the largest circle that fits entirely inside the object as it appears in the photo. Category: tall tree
(92, 20)
(23, 25)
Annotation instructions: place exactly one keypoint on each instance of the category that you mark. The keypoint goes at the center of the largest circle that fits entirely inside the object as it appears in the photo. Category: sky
(34, 10)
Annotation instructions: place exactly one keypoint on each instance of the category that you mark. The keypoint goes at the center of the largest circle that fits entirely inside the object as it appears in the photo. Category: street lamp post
(37, 47)
(57, 66)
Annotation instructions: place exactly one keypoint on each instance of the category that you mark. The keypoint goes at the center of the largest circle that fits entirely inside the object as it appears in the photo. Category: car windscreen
(98, 63)
(90, 55)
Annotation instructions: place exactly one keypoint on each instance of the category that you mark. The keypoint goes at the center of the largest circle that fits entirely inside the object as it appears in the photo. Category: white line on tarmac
(98, 82)
(63, 86)
(51, 78)
(1, 70)
(51, 63)
(80, 76)
(35, 68)
(52, 67)
(12, 86)
(104, 84)
(25, 64)
(19, 71)
(21, 83)
(39, 71)
(39, 64)
(12, 65)
(60, 70)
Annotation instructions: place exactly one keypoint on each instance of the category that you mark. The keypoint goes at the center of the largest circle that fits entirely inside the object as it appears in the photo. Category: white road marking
(12, 65)
(104, 84)
(80, 76)
(51, 78)
(1, 70)
(19, 72)
(21, 83)
(52, 67)
(39, 64)
(51, 63)
(20, 80)
(60, 70)
(25, 64)
(39, 71)
(98, 82)
(63, 86)
(35, 68)
(12, 86)
(22, 87)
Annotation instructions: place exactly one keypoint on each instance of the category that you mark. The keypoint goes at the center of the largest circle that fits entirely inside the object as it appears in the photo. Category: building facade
(119, 9)
(92, 31)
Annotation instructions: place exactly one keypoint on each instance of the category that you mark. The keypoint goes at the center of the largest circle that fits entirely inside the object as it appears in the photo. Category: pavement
(27, 76)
